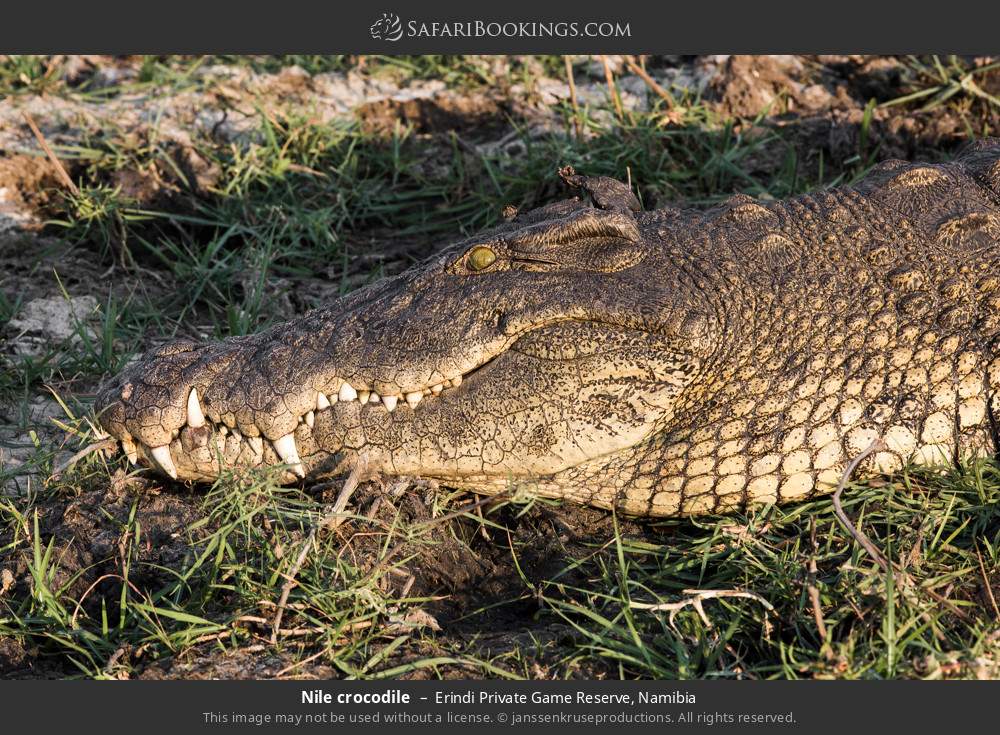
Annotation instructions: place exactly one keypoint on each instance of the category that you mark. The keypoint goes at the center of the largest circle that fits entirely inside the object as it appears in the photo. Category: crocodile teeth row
(348, 393)
(196, 417)
(285, 446)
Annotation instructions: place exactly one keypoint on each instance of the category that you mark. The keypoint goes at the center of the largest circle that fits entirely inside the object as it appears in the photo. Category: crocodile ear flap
(604, 192)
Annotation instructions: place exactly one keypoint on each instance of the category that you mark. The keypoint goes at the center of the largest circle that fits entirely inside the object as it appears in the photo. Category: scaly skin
(660, 363)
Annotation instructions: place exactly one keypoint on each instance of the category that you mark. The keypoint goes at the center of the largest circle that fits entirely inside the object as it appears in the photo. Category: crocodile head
(561, 337)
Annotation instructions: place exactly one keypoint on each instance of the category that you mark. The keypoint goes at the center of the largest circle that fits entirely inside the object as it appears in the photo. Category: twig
(650, 82)
(695, 599)
(373, 508)
(90, 448)
(124, 253)
(612, 89)
(303, 662)
(334, 518)
(407, 586)
(60, 169)
(482, 523)
(210, 637)
(986, 583)
(122, 650)
(813, 590)
(487, 500)
(286, 588)
(904, 578)
(838, 509)
(572, 97)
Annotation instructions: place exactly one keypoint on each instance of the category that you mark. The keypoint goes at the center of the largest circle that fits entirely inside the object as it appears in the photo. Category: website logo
(387, 28)
(390, 28)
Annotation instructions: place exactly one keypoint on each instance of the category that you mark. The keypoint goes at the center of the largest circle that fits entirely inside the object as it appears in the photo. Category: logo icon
(387, 28)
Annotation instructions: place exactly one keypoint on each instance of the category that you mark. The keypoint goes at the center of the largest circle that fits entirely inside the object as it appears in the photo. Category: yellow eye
(480, 258)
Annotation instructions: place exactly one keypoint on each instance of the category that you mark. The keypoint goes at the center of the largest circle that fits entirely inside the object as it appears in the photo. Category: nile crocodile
(662, 362)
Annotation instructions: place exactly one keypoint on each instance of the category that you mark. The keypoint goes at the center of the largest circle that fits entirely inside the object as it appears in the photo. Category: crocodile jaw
(559, 395)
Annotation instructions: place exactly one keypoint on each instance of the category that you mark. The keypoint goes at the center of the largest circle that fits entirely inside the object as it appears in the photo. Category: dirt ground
(476, 600)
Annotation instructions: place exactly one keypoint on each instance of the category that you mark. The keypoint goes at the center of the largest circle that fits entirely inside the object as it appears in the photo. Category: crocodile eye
(480, 258)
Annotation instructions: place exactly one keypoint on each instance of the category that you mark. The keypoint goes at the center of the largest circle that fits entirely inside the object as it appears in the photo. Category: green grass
(212, 596)
(941, 79)
(940, 528)
(936, 527)
(114, 573)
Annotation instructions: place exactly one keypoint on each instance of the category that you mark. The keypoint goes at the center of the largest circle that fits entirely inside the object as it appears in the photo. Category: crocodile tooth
(374, 398)
(414, 398)
(310, 419)
(322, 401)
(129, 448)
(223, 430)
(435, 389)
(456, 381)
(256, 445)
(363, 396)
(347, 393)
(289, 453)
(237, 435)
(162, 456)
(390, 403)
(195, 417)
(426, 391)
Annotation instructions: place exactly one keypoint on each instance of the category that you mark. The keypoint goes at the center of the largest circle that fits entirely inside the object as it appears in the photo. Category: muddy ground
(476, 601)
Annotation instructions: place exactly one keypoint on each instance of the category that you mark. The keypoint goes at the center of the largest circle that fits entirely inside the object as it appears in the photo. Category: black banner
(449, 26)
(583, 706)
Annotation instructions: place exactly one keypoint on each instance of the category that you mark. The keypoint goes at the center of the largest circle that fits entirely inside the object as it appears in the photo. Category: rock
(46, 322)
